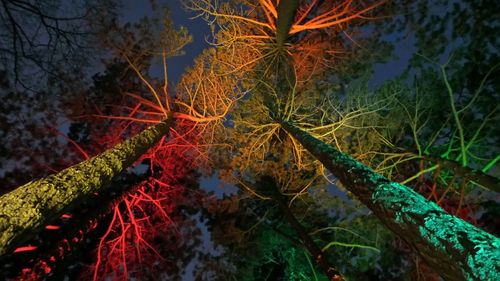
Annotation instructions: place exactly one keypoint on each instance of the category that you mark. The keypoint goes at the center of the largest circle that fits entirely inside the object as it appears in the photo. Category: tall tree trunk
(452, 247)
(28, 208)
(69, 235)
(269, 184)
(286, 12)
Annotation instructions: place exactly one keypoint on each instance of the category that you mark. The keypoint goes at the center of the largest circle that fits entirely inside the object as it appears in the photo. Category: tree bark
(286, 12)
(452, 247)
(307, 241)
(490, 182)
(28, 208)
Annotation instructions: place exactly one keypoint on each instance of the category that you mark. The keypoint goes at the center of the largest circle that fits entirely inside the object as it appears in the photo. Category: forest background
(405, 88)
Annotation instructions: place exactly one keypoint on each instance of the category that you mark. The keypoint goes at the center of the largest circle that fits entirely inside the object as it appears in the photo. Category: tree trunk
(490, 182)
(452, 247)
(307, 241)
(60, 249)
(286, 12)
(28, 208)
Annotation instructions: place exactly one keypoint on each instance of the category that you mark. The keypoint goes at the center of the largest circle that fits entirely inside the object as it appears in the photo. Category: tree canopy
(330, 174)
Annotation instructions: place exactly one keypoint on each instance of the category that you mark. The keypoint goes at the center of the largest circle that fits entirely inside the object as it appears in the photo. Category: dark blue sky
(134, 10)
(198, 28)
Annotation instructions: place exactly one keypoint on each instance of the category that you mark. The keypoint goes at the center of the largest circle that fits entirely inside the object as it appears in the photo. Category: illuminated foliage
(145, 219)
(95, 174)
(251, 36)
(444, 241)
(278, 93)
(271, 100)
(243, 49)
(258, 240)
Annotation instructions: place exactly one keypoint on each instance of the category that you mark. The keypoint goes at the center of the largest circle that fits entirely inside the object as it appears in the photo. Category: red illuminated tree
(260, 106)
(44, 198)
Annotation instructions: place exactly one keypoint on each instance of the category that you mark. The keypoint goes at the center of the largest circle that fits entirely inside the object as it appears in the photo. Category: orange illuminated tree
(253, 43)
(32, 206)
(255, 34)
(278, 87)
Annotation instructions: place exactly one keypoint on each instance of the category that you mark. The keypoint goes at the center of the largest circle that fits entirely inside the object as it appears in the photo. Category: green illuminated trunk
(28, 208)
(307, 241)
(452, 247)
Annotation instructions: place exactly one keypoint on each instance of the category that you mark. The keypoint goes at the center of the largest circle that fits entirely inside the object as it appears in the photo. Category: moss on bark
(452, 247)
(26, 209)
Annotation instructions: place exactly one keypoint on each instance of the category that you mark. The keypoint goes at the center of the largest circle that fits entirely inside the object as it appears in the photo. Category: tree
(152, 231)
(427, 155)
(272, 65)
(44, 200)
(148, 219)
(460, 72)
(259, 237)
(446, 243)
(89, 176)
(281, 86)
(257, 140)
(39, 39)
(453, 162)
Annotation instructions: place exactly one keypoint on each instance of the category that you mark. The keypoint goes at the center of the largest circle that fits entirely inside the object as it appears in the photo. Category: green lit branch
(452, 247)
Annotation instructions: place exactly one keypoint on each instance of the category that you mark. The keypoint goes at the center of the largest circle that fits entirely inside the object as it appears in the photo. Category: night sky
(198, 28)
(405, 43)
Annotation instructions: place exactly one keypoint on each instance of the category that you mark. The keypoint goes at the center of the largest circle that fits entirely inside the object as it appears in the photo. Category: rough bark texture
(452, 247)
(307, 241)
(58, 248)
(26, 209)
(286, 12)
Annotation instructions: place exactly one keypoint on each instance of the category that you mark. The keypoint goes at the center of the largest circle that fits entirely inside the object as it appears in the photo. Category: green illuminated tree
(451, 64)
(447, 146)
(446, 243)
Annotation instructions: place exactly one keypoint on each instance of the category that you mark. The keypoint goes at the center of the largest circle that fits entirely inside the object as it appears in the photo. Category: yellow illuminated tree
(30, 207)
(445, 242)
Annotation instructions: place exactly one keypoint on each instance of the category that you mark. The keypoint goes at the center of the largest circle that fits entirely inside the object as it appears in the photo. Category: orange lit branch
(343, 13)
(253, 35)
(310, 14)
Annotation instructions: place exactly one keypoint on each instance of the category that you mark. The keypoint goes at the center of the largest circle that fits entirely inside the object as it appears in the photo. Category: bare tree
(39, 38)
